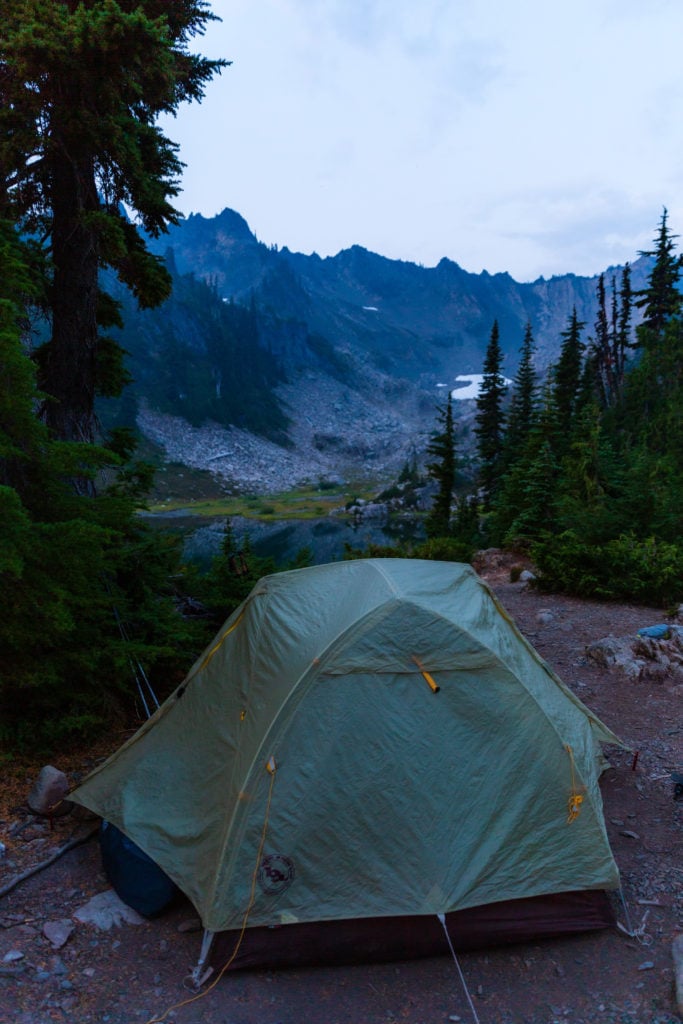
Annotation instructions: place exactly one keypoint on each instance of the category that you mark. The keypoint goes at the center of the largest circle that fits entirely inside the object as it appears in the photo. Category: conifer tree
(490, 418)
(442, 469)
(661, 299)
(566, 377)
(523, 404)
(82, 85)
(601, 347)
(526, 504)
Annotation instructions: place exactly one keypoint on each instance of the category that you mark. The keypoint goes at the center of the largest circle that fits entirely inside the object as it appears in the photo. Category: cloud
(528, 137)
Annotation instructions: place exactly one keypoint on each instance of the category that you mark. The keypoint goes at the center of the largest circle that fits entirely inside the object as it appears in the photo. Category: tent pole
(201, 972)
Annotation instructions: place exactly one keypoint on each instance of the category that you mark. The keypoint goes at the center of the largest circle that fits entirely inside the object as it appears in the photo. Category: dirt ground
(135, 973)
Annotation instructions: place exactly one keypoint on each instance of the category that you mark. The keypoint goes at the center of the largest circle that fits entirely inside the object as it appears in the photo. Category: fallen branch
(50, 860)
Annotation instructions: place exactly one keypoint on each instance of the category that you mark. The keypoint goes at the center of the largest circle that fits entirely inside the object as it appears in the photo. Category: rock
(57, 966)
(526, 576)
(544, 616)
(12, 956)
(58, 932)
(192, 924)
(49, 790)
(646, 965)
(677, 952)
(105, 910)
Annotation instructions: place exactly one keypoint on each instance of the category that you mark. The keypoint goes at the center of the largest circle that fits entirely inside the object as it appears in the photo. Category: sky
(525, 136)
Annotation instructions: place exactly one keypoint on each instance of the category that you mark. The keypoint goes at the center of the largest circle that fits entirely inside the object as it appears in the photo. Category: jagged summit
(360, 344)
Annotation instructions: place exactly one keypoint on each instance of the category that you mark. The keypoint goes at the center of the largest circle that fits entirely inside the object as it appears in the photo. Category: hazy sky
(520, 135)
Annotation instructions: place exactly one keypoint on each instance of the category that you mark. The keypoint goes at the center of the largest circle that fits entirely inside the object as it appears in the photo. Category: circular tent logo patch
(276, 873)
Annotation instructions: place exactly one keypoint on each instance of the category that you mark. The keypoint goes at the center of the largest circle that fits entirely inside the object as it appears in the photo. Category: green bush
(626, 568)
(444, 549)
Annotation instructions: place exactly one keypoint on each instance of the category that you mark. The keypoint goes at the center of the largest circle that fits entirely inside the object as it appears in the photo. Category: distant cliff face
(275, 368)
(408, 320)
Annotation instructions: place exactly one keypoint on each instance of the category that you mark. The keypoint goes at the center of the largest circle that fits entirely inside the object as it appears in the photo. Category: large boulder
(642, 657)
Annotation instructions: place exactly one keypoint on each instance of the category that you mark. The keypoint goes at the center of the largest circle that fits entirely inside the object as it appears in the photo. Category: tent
(369, 741)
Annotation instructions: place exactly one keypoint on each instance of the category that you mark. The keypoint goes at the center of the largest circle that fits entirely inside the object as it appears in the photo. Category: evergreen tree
(567, 376)
(525, 503)
(601, 349)
(490, 418)
(442, 469)
(661, 298)
(81, 87)
(523, 405)
(66, 560)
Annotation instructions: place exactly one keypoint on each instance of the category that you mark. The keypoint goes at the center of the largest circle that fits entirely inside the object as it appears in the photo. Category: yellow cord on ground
(271, 768)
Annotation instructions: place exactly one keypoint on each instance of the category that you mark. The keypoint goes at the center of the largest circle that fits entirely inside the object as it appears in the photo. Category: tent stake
(199, 974)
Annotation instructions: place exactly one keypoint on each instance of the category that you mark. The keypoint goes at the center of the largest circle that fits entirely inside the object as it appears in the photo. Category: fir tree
(527, 503)
(567, 376)
(601, 350)
(490, 418)
(442, 469)
(523, 405)
(661, 298)
(81, 88)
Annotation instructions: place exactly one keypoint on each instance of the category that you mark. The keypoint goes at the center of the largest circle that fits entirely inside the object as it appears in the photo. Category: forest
(582, 469)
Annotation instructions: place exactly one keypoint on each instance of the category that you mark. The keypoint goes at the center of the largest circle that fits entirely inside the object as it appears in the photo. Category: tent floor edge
(386, 939)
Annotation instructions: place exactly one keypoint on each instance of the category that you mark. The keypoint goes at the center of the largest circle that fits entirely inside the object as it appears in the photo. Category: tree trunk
(69, 369)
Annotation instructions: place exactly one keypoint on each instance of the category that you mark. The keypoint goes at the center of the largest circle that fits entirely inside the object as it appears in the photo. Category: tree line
(582, 468)
(90, 593)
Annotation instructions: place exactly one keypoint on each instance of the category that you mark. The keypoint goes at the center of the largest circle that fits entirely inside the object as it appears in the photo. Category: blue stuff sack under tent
(135, 877)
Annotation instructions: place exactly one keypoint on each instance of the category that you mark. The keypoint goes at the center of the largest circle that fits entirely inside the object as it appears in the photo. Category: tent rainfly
(364, 747)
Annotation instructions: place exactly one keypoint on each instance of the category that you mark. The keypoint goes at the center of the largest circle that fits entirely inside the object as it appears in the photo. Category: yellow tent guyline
(575, 798)
(271, 768)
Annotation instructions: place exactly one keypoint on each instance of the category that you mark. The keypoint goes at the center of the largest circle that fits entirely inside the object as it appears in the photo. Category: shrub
(626, 568)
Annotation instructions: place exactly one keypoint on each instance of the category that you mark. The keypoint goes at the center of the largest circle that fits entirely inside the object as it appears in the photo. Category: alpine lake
(281, 527)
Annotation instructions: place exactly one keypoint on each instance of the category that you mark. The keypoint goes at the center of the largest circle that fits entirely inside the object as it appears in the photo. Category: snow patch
(473, 382)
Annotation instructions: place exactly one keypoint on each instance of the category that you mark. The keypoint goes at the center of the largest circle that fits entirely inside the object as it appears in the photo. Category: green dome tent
(369, 739)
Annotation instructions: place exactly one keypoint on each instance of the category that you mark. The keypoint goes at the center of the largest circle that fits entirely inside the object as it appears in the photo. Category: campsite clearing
(132, 972)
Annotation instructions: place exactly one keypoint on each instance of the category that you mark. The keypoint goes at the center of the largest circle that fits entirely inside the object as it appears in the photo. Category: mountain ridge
(356, 348)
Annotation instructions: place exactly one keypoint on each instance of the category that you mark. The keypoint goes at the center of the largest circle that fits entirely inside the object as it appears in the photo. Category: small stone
(58, 932)
(12, 956)
(192, 924)
(646, 965)
(454, 1017)
(89, 972)
(57, 966)
(66, 984)
(628, 834)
